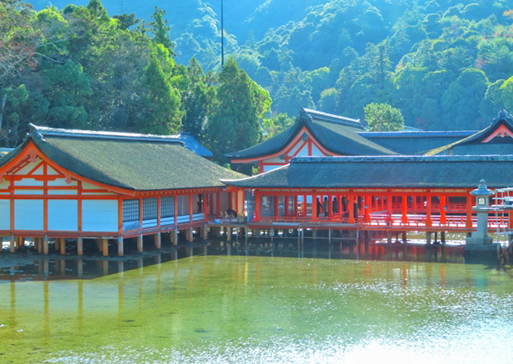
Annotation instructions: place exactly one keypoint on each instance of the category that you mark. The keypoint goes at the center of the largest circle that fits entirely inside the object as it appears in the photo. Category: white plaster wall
(28, 215)
(100, 215)
(316, 152)
(303, 152)
(63, 215)
(28, 182)
(5, 214)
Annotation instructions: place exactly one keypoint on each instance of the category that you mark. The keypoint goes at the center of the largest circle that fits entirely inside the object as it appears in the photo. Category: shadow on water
(57, 267)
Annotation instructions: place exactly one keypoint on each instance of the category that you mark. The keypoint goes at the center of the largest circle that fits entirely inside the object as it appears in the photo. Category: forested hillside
(446, 64)
(80, 68)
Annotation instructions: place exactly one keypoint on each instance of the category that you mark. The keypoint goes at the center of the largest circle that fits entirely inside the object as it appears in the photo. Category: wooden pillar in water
(40, 245)
(229, 233)
(12, 242)
(442, 237)
(121, 246)
(105, 247)
(389, 237)
(404, 237)
(428, 238)
(204, 232)
(158, 241)
(62, 245)
(80, 246)
(45, 244)
(57, 244)
(140, 239)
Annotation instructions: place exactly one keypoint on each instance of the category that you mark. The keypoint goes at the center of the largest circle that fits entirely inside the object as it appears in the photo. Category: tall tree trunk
(4, 99)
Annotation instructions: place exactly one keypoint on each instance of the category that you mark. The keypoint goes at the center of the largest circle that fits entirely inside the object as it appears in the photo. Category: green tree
(162, 102)
(160, 30)
(276, 124)
(383, 117)
(235, 122)
(197, 100)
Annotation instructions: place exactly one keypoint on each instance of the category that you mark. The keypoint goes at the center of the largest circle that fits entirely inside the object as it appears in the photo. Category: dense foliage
(383, 117)
(446, 64)
(80, 68)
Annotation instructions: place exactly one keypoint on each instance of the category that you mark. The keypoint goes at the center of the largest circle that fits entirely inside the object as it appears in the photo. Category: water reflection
(46, 268)
(211, 300)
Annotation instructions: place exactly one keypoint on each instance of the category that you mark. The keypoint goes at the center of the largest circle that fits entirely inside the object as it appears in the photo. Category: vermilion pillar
(257, 206)
(404, 217)
(314, 207)
(443, 218)
(469, 213)
(429, 222)
(351, 209)
(330, 207)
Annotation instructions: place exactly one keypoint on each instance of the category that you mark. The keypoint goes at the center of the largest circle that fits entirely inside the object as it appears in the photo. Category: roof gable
(495, 133)
(139, 162)
(336, 134)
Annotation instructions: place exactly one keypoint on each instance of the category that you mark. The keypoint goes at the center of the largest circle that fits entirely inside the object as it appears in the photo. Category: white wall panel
(28, 215)
(61, 182)
(5, 214)
(303, 152)
(100, 215)
(28, 182)
(316, 152)
(88, 186)
(28, 192)
(28, 167)
(62, 192)
(63, 215)
(274, 160)
(50, 170)
(270, 168)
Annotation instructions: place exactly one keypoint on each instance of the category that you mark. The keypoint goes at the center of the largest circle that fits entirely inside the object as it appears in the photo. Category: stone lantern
(479, 241)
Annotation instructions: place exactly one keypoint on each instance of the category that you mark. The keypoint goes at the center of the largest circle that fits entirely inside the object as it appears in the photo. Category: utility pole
(222, 35)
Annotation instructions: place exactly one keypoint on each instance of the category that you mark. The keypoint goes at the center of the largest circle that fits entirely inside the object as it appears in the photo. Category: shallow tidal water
(261, 306)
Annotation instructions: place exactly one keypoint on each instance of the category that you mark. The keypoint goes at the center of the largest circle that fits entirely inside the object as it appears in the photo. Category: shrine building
(61, 184)
(363, 180)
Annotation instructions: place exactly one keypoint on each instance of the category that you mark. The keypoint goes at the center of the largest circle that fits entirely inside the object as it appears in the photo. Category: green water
(255, 309)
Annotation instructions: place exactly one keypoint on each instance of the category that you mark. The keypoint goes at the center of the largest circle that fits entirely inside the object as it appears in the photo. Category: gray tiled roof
(135, 162)
(386, 172)
(337, 134)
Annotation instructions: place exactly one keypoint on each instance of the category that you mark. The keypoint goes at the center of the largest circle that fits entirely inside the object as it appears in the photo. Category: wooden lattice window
(150, 209)
(167, 206)
(130, 210)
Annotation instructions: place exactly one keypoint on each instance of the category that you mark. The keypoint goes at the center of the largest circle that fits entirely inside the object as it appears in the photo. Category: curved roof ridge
(502, 117)
(331, 118)
(404, 158)
(41, 131)
(417, 134)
